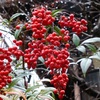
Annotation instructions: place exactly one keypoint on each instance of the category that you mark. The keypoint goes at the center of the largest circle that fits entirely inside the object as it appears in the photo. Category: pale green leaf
(14, 82)
(15, 97)
(76, 39)
(20, 88)
(17, 32)
(32, 88)
(85, 64)
(81, 48)
(46, 97)
(46, 90)
(91, 40)
(96, 56)
(41, 59)
(16, 15)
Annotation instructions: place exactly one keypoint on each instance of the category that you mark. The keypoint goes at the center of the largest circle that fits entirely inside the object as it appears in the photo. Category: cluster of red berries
(49, 47)
(77, 26)
(60, 83)
(5, 69)
(33, 52)
(54, 39)
(15, 51)
(40, 19)
(18, 43)
(55, 57)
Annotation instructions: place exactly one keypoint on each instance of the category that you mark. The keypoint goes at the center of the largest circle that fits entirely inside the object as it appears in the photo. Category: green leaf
(53, 95)
(81, 48)
(57, 30)
(19, 64)
(14, 82)
(85, 64)
(41, 59)
(90, 46)
(4, 97)
(15, 97)
(96, 56)
(16, 15)
(91, 40)
(6, 21)
(17, 32)
(15, 92)
(32, 88)
(46, 97)
(55, 12)
(47, 90)
(76, 39)
(31, 98)
(20, 88)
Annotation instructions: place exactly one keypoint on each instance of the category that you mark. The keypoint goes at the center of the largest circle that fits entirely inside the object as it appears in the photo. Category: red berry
(0, 33)
(55, 91)
(18, 27)
(60, 96)
(62, 31)
(71, 16)
(27, 27)
(14, 41)
(67, 45)
(63, 17)
(62, 92)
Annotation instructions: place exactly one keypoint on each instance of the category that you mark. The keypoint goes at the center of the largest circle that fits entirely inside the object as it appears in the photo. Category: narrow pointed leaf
(16, 15)
(91, 40)
(32, 88)
(15, 97)
(14, 82)
(46, 90)
(90, 46)
(20, 88)
(85, 64)
(55, 12)
(46, 97)
(15, 92)
(17, 32)
(57, 30)
(76, 39)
